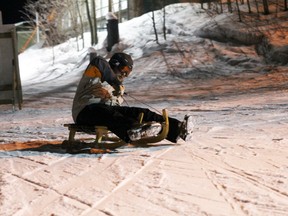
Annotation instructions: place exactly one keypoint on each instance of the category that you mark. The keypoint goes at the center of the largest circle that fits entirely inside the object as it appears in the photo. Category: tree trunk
(154, 27)
(257, 7)
(221, 6)
(229, 6)
(94, 22)
(239, 12)
(164, 19)
(266, 7)
(81, 23)
(249, 7)
(90, 21)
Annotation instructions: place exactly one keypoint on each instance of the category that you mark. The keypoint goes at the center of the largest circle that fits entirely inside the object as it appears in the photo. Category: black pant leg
(100, 114)
(120, 119)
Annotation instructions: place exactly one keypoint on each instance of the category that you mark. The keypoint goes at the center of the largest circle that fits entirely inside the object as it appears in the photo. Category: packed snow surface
(236, 164)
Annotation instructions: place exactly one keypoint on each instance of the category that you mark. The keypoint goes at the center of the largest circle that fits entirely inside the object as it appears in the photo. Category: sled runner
(105, 141)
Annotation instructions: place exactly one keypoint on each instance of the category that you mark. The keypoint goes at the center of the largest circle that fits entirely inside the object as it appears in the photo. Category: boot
(145, 130)
(186, 129)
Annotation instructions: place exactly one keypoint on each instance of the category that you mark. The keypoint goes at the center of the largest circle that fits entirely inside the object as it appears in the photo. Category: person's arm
(100, 68)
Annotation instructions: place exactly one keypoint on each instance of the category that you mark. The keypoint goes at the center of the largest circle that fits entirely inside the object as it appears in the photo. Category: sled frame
(104, 141)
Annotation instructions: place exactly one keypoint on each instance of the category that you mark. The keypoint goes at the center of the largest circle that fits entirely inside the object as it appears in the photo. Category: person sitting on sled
(99, 96)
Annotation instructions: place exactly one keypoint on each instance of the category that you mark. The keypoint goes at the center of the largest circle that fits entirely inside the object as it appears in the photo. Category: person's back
(96, 86)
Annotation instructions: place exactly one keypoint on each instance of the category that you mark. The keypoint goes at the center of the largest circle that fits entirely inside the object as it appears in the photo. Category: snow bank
(225, 28)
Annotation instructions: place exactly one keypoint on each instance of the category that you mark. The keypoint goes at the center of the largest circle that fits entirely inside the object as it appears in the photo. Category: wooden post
(10, 83)
(1, 23)
(112, 30)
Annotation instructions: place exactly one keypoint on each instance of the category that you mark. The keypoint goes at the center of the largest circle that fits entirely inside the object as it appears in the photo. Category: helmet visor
(125, 70)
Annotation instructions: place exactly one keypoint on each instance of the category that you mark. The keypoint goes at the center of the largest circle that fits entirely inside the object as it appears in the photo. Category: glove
(119, 90)
(100, 92)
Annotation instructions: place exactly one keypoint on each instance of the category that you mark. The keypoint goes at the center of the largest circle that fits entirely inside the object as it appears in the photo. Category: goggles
(125, 70)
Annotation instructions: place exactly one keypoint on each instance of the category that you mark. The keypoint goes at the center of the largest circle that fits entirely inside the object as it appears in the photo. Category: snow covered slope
(235, 165)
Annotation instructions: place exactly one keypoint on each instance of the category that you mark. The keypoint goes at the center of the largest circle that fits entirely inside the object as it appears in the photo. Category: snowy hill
(235, 165)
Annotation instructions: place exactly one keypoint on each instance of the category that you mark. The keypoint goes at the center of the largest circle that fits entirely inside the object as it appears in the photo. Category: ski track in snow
(231, 173)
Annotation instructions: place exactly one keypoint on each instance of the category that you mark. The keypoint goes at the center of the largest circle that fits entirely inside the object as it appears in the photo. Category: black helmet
(121, 60)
